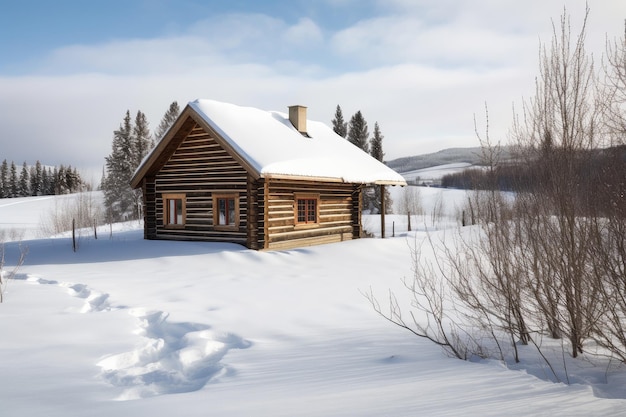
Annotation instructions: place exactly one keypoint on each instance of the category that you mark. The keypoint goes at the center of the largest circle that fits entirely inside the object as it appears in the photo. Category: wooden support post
(382, 211)
(74, 235)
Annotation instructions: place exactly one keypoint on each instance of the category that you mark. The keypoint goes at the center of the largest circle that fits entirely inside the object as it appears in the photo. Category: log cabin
(262, 179)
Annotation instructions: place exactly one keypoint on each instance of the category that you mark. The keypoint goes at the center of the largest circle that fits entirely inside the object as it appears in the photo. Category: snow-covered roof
(273, 147)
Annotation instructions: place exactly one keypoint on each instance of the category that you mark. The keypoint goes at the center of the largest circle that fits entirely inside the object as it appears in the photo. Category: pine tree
(45, 181)
(340, 126)
(60, 181)
(141, 140)
(376, 144)
(4, 179)
(118, 196)
(376, 151)
(24, 182)
(358, 134)
(53, 176)
(168, 120)
(36, 179)
(71, 180)
(13, 183)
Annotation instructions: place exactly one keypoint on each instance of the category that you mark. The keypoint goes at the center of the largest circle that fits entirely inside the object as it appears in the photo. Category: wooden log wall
(149, 208)
(199, 168)
(335, 214)
(256, 214)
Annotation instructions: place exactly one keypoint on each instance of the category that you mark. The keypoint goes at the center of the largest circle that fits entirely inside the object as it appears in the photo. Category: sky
(424, 70)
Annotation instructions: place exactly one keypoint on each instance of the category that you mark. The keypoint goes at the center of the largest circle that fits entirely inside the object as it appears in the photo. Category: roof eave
(390, 182)
(271, 176)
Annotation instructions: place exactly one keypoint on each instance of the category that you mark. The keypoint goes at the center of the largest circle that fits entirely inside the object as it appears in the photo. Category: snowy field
(127, 327)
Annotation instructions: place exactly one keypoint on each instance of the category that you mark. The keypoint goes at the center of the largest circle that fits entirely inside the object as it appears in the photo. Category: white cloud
(404, 39)
(305, 33)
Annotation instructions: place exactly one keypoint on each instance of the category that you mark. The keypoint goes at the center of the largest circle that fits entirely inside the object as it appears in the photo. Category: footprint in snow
(174, 358)
(94, 300)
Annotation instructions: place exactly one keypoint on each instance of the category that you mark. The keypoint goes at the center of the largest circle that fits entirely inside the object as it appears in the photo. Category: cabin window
(307, 209)
(174, 210)
(226, 211)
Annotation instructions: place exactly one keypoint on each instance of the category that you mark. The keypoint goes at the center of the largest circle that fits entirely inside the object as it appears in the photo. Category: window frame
(216, 211)
(167, 198)
(296, 210)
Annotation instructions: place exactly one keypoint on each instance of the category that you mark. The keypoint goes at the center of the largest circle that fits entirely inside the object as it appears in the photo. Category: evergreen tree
(54, 180)
(376, 144)
(120, 164)
(13, 182)
(45, 181)
(376, 151)
(340, 126)
(60, 181)
(36, 179)
(71, 180)
(358, 134)
(168, 120)
(141, 140)
(4, 179)
(24, 182)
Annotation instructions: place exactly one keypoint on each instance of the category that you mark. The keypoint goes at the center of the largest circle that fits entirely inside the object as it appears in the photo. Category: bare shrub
(411, 201)
(7, 275)
(84, 209)
(432, 314)
(437, 211)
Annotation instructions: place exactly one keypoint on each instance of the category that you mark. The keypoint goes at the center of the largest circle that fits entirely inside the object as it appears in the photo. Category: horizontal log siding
(256, 215)
(335, 214)
(199, 168)
(149, 214)
(357, 229)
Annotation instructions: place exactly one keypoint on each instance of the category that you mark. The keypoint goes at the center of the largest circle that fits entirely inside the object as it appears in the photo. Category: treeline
(38, 180)
(600, 173)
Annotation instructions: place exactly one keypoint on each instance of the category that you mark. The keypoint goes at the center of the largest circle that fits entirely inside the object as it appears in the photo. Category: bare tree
(410, 201)
(609, 247)
(558, 132)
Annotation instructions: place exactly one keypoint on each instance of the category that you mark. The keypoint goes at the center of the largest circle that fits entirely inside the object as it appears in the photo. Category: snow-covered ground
(128, 327)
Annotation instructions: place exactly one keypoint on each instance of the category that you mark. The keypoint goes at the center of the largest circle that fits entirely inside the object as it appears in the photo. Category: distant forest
(38, 180)
(595, 168)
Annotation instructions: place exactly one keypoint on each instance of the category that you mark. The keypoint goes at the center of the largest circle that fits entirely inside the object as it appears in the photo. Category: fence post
(408, 214)
(74, 235)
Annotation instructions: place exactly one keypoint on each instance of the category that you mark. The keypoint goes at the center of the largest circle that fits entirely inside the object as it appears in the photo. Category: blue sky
(422, 69)
(37, 27)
